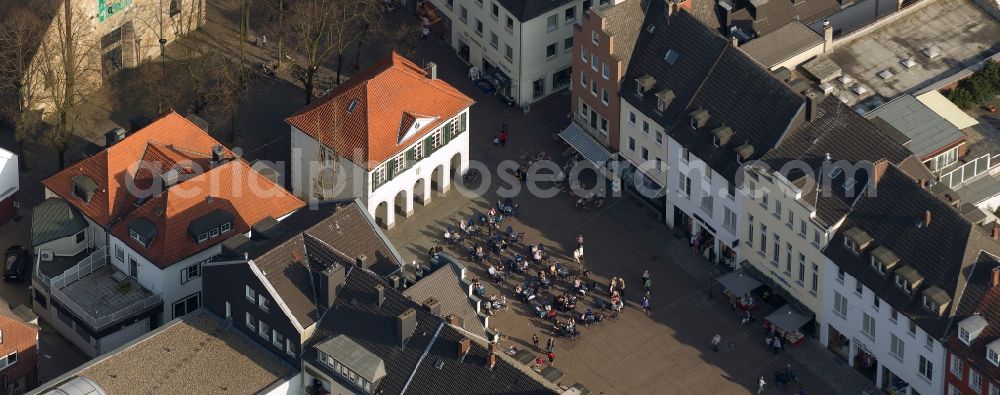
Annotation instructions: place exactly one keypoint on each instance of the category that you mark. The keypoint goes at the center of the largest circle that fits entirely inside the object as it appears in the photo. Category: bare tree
(69, 60)
(323, 29)
(20, 77)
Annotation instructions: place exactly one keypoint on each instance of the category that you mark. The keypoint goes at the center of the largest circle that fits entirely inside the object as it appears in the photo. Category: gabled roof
(709, 74)
(940, 252)
(622, 21)
(233, 188)
(413, 368)
(770, 16)
(445, 285)
(526, 10)
(361, 118)
(980, 298)
(114, 167)
(334, 233)
(846, 136)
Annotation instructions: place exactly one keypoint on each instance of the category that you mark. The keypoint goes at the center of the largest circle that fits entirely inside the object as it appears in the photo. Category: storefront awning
(589, 148)
(788, 319)
(739, 282)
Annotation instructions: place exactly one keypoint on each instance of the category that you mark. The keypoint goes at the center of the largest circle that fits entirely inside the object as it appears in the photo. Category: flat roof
(195, 354)
(782, 44)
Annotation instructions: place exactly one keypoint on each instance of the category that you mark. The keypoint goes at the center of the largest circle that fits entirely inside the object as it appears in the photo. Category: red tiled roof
(233, 187)
(112, 167)
(171, 142)
(386, 94)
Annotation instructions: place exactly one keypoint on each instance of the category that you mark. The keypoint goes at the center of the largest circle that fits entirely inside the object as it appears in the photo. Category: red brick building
(18, 353)
(972, 357)
(603, 43)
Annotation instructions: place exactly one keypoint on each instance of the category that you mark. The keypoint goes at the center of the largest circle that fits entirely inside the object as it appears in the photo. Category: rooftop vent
(217, 154)
(671, 57)
(433, 306)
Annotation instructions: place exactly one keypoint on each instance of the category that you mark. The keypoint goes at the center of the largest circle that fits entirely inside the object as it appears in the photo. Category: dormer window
(210, 225)
(352, 362)
(142, 230)
(851, 245)
(963, 335)
(721, 135)
(84, 187)
(903, 284)
(663, 99)
(930, 304)
(879, 266)
(644, 84)
(936, 300)
(908, 279)
(993, 357)
(856, 240)
(698, 118)
(970, 328)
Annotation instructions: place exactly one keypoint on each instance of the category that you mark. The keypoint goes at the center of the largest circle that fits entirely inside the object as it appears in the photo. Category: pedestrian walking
(802, 391)
(503, 138)
(579, 240)
(552, 358)
(614, 285)
(621, 286)
(760, 385)
(263, 40)
(715, 342)
(647, 282)
(550, 346)
(645, 275)
(496, 141)
(504, 125)
(776, 343)
(577, 253)
(534, 340)
(645, 303)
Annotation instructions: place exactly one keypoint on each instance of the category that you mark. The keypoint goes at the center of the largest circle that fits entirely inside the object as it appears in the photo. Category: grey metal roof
(585, 145)
(53, 219)
(928, 131)
(354, 357)
(782, 44)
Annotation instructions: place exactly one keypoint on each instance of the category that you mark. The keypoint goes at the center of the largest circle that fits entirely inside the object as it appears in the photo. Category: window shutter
(390, 169)
(461, 123)
(410, 157)
(428, 146)
(446, 133)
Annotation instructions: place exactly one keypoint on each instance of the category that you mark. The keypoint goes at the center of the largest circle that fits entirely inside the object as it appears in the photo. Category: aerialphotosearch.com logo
(336, 179)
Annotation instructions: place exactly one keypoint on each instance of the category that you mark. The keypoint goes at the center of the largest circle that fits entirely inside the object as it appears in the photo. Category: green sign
(106, 8)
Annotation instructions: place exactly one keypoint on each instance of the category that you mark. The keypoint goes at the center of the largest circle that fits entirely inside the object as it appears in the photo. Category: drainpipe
(520, 60)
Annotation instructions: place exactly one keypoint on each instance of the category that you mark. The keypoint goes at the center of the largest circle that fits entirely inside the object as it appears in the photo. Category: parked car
(16, 260)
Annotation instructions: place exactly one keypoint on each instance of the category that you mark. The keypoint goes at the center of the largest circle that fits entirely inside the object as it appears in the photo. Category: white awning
(583, 143)
(947, 110)
(788, 319)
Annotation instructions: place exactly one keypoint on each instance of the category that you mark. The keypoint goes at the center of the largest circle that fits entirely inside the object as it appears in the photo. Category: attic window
(993, 356)
(663, 99)
(352, 106)
(930, 304)
(903, 284)
(84, 187)
(879, 266)
(210, 225)
(142, 230)
(671, 57)
(963, 335)
(644, 84)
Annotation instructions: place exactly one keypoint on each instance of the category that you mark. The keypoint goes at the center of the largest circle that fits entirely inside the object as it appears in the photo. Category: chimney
(921, 182)
(927, 218)
(359, 260)
(671, 7)
(491, 360)
(216, 156)
(379, 295)
(453, 320)
(169, 178)
(996, 276)
(827, 36)
(329, 280)
(432, 70)
(735, 41)
(433, 306)
(463, 347)
(996, 234)
(405, 324)
(812, 105)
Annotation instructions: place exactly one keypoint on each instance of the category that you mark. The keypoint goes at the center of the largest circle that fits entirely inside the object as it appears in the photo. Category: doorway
(538, 88)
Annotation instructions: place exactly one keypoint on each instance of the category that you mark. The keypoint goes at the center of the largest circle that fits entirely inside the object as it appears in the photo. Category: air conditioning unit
(45, 255)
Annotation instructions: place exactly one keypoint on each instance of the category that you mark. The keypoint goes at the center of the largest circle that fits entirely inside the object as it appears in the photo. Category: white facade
(693, 188)
(388, 189)
(850, 313)
(782, 238)
(522, 49)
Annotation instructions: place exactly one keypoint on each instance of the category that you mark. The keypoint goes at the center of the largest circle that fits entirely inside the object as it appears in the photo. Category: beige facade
(781, 237)
(110, 35)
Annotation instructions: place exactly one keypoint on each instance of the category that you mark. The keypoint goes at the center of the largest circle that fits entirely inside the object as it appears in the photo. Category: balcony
(99, 294)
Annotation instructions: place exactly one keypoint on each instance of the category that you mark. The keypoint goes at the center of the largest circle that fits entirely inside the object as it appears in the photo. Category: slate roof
(708, 74)
(784, 43)
(196, 354)
(333, 233)
(622, 21)
(979, 298)
(53, 219)
(941, 252)
(356, 315)
(445, 285)
(929, 133)
(383, 95)
(846, 136)
(526, 10)
(774, 14)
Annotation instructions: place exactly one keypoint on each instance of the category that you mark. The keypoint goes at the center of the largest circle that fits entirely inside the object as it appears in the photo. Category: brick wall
(23, 339)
